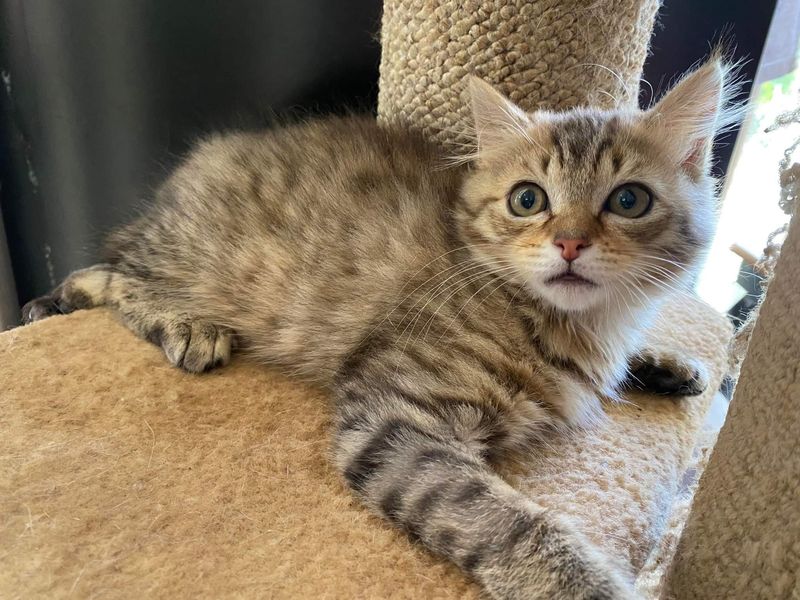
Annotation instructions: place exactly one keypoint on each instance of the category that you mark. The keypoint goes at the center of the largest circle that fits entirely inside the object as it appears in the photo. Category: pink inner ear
(696, 159)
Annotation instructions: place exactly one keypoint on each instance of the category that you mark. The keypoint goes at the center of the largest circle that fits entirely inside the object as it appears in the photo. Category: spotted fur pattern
(343, 253)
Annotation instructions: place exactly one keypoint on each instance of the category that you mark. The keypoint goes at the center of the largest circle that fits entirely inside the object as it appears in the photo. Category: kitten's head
(590, 207)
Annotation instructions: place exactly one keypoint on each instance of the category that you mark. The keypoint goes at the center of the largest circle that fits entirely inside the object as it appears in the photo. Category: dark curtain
(102, 96)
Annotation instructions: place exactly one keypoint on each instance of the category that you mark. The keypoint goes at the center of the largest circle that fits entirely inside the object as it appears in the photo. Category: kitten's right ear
(495, 117)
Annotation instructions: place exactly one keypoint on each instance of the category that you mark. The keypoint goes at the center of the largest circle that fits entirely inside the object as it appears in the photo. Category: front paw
(192, 345)
(668, 375)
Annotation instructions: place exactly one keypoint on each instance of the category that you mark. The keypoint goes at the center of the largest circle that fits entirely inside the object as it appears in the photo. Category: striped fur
(344, 254)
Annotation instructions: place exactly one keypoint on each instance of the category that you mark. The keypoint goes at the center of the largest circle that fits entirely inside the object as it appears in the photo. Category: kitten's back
(303, 235)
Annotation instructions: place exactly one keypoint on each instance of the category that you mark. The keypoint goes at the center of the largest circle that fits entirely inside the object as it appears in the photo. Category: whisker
(453, 320)
(636, 269)
(499, 285)
(476, 268)
(426, 327)
(510, 302)
(438, 274)
(443, 287)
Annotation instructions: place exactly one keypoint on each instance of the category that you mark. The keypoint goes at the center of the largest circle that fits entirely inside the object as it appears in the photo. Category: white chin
(570, 297)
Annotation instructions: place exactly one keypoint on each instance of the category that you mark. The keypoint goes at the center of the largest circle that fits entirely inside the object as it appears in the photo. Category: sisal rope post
(742, 537)
(552, 54)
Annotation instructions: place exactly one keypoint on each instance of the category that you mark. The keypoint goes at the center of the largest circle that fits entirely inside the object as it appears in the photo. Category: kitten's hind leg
(193, 344)
(419, 464)
(86, 288)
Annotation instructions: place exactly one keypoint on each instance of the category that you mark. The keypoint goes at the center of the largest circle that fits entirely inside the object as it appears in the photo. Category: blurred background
(101, 97)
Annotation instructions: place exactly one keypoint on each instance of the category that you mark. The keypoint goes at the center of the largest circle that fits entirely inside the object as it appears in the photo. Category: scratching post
(741, 537)
(552, 54)
(121, 475)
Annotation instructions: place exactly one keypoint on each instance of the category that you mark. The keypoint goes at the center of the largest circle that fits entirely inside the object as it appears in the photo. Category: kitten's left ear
(693, 112)
(495, 117)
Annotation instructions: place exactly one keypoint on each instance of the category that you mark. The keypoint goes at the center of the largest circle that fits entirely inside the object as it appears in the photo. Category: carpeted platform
(123, 477)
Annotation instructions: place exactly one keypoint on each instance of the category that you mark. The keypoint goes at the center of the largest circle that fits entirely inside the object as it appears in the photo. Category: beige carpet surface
(121, 476)
(124, 477)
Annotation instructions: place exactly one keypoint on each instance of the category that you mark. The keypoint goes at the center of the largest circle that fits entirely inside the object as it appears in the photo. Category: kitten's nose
(571, 247)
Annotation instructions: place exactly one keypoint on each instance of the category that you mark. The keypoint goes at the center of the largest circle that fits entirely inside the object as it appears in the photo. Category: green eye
(630, 200)
(527, 199)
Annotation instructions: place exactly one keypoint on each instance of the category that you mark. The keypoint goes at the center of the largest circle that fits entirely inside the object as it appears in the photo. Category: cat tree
(121, 474)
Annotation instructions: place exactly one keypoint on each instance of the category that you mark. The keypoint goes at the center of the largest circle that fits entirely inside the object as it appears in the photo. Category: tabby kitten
(456, 315)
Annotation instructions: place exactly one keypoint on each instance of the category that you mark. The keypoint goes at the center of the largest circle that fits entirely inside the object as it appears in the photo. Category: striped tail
(412, 468)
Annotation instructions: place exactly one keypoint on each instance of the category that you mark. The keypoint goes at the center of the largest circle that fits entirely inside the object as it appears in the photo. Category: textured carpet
(121, 476)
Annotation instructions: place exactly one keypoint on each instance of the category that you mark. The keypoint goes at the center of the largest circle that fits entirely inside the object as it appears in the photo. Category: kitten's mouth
(570, 278)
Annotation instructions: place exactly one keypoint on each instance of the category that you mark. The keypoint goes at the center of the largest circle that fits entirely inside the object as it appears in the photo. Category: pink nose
(571, 248)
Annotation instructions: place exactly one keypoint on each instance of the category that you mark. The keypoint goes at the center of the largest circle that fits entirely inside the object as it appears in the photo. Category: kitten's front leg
(666, 373)
(191, 343)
